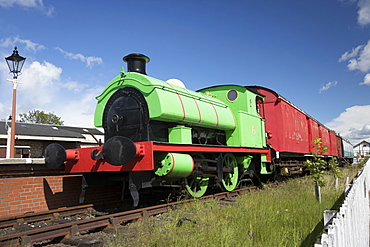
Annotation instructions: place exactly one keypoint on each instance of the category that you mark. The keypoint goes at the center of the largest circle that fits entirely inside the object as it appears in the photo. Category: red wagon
(290, 131)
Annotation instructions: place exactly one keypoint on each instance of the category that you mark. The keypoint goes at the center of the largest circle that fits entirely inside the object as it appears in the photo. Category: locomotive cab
(246, 110)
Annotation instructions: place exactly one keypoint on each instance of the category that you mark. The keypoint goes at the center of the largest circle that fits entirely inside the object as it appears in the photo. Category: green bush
(317, 165)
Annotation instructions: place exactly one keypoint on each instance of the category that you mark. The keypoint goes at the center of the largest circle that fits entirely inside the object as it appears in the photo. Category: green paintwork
(264, 164)
(197, 186)
(250, 126)
(170, 103)
(250, 130)
(173, 165)
(244, 160)
(179, 134)
(230, 180)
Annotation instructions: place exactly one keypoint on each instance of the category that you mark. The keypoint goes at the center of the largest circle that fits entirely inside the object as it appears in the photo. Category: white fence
(350, 225)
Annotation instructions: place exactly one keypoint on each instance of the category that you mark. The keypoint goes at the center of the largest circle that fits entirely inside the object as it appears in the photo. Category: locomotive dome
(176, 82)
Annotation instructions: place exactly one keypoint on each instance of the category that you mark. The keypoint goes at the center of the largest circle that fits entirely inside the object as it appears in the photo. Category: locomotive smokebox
(136, 62)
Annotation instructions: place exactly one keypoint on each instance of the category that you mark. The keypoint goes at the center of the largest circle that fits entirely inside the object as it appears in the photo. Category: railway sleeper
(74, 238)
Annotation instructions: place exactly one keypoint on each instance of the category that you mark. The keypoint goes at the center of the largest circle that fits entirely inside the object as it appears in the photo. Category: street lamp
(15, 64)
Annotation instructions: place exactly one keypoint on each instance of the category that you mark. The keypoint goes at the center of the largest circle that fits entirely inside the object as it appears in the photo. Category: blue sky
(314, 53)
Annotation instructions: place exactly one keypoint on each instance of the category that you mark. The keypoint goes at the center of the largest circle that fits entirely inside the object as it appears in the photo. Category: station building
(362, 149)
(31, 139)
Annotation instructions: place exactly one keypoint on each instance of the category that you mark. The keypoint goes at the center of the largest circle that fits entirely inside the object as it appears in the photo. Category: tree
(317, 164)
(37, 116)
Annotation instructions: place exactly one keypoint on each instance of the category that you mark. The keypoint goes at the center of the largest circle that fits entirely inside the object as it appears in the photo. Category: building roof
(49, 131)
(362, 143)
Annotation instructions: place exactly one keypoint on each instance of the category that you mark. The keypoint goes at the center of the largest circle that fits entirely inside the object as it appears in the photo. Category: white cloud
(359, 59)
(363, 17)
(74, 86)
(24, 3)
(2, 109)
(45, 89)
(353, 123)
(37, 91)
(328, 85)
(40, 83)
(79, 111)
(350, 54)
(90, 61)
(366, 80)
(37, 4)
(362, 62)
(4, 71)
(11, 42)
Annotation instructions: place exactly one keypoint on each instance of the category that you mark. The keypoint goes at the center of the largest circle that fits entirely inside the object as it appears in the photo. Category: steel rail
(45, 215)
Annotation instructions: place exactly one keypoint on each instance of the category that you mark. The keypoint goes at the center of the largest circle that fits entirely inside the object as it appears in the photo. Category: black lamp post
(15, 64)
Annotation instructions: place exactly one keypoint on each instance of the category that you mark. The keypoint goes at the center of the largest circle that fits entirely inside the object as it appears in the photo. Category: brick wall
(19, 195)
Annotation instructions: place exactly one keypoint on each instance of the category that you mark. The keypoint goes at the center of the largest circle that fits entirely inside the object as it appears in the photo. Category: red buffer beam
(81, 160)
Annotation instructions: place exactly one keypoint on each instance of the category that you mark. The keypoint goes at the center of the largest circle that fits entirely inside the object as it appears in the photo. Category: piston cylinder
(174, 165)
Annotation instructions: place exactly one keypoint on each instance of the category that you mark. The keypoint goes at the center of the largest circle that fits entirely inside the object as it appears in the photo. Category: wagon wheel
(197, 186)
(230, 179)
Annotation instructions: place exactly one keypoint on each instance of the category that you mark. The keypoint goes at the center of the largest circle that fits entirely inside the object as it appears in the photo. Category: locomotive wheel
(197, 186)
(230, 180)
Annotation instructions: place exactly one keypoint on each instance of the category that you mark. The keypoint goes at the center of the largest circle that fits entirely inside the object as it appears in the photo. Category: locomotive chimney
(136, 62)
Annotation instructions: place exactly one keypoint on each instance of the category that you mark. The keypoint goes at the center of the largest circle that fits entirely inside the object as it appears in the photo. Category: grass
(288, 215)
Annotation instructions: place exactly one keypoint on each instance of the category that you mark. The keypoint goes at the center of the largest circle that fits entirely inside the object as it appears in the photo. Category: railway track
(68, 232)
(46, 215)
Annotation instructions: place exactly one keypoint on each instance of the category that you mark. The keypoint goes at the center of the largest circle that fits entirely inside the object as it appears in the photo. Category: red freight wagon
(338, 140)
(333, 150)
(290, 131)
(329, 138)
(313, 130)
(324, 134)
